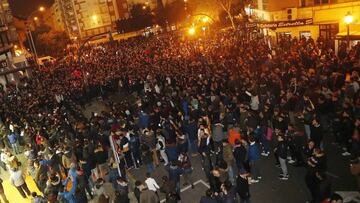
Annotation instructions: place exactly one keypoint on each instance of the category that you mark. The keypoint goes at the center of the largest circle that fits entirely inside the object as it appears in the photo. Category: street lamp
(205, 19)
(191, 31)
(348, 20)
(41, 8)
(36, 18)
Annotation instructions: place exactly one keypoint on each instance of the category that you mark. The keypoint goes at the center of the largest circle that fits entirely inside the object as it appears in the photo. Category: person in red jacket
(234, 135)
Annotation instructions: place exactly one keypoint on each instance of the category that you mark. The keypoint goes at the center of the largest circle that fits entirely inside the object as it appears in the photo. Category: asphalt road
(270, 189)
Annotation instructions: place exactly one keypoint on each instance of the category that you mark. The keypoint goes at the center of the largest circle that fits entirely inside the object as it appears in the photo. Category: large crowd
(221, 97)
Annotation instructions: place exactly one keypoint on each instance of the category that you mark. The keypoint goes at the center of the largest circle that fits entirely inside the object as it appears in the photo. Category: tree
(241, 7)
(177, 11)
(227, 6)
(160, 13)
(49, 42)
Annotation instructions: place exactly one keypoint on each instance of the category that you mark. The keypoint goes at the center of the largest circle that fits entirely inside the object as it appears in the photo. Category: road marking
(350, 196)
(332, 175)
(189, 186)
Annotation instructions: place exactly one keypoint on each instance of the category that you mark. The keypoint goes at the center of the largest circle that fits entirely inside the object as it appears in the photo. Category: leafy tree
(49, 42)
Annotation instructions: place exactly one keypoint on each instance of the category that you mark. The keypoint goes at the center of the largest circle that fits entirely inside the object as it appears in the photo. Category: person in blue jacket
(144, 120)
(174, 174)
(69, 195)
(253, 157)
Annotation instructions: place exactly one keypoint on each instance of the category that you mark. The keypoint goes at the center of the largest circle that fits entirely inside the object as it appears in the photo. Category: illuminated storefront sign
(279, 24)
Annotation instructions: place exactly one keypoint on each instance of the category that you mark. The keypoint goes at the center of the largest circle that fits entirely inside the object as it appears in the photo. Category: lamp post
(29, 33)
(348, 20)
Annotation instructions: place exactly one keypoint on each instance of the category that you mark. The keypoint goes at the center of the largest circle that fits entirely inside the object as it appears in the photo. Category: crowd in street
(223, 98)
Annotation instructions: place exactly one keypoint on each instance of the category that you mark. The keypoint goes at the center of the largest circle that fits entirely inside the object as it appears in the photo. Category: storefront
(295, 28)
(327, 22)
(342, 39)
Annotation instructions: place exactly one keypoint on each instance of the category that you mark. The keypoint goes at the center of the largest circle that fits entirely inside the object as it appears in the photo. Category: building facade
(85, 18)
(8, 38)
(311, 18)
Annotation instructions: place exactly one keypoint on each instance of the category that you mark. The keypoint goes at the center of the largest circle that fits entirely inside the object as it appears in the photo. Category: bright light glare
(41, 8)
(36, 18)
(205, 19)
(94, 17)
(348, 18)
(191, 31)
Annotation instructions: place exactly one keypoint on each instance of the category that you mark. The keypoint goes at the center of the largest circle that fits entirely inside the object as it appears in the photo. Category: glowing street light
(36, 18)
(191, 31)
(205, 19)
(41, 8)
(348, 20)
(94, 17)
(144, 7)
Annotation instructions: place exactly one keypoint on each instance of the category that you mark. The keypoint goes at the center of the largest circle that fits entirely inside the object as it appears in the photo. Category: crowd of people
(223, 98)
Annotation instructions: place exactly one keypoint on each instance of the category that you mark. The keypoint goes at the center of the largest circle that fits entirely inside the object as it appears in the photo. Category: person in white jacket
(160, 145)
(17, 179)
(151, 184)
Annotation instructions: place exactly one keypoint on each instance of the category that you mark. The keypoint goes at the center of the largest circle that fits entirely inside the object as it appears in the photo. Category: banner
(279, 24)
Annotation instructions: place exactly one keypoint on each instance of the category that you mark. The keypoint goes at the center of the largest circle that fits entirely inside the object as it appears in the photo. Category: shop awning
(353, 35)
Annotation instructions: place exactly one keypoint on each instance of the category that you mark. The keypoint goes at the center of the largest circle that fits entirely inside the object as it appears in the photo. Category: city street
(270, 189)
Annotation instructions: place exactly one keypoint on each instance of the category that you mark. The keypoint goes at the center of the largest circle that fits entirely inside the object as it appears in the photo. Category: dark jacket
(242, 187)
(254, 153)
(174, 173)
(1, 186)
(208, 200)
(240, 155)
(168, 187)
(281, 149)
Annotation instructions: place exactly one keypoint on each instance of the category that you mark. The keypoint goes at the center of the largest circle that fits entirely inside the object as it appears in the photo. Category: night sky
(25, 7)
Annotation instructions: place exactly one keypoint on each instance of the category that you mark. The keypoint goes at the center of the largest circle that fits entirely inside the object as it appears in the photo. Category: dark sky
(25, 7)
